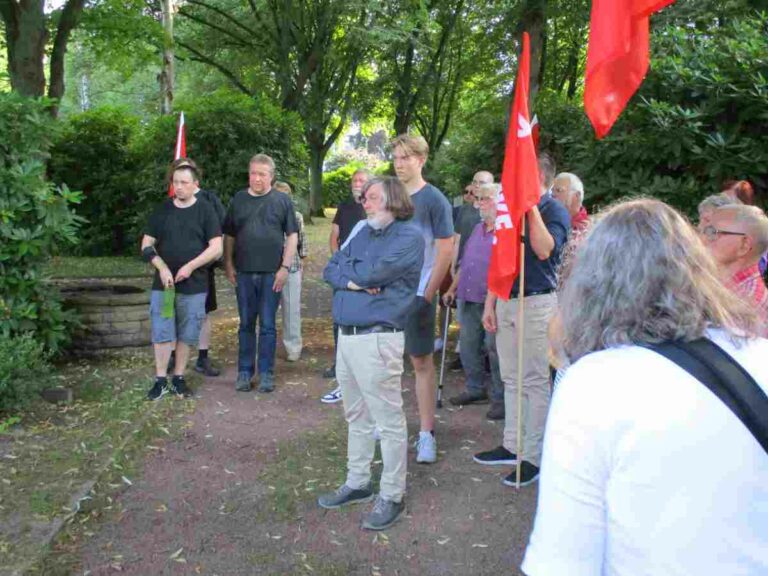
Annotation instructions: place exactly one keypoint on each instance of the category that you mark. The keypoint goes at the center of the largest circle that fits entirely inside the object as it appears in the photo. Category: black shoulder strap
(725, 378)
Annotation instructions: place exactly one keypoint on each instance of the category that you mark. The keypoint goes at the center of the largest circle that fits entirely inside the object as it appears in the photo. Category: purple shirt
(473, 268)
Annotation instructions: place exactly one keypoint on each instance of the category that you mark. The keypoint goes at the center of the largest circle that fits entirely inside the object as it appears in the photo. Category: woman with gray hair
(645, 471)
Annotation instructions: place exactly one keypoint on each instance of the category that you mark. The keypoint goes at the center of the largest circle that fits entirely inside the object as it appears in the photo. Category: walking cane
(442, 357)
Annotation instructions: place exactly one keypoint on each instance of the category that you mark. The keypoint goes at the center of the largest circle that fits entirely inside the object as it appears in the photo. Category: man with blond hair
(260, 239)
(434, 219)
(736, 237)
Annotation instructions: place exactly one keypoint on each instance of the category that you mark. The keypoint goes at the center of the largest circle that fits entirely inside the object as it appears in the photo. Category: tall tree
(309, 56)
(27, 35)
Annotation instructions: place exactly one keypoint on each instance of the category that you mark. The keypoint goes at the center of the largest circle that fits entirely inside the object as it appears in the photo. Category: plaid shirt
(301, 249)
(749, 284)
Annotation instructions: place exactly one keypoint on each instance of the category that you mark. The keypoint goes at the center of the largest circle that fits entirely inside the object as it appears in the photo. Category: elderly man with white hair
(736, 237)
(569, 191)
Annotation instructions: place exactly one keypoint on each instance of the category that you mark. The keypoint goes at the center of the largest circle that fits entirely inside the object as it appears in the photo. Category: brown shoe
(496, 412)
(468, 398)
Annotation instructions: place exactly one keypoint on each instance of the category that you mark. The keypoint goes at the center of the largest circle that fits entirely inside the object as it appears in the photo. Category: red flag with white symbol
(617, 57)
(520, 189)
(181, 147)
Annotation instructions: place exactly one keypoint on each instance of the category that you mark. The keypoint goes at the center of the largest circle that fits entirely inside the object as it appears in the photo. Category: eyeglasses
(711, 233)
(485, 199)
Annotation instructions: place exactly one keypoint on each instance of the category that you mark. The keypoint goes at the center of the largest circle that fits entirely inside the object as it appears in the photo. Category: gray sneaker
(266, 382)
(384, 514)
(243, 383)
(345, 495)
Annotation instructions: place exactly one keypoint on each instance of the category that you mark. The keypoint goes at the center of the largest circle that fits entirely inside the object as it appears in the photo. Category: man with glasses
(375, 277)
(736, 237)
(469, 288)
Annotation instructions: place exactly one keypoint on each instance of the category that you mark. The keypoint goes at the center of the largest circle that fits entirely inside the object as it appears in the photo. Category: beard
(380, 220)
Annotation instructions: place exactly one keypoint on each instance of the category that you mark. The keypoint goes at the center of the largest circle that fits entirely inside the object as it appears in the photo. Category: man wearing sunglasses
(736, 237)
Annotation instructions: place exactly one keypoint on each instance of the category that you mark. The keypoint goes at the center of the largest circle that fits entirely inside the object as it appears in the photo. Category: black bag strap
(725, 378)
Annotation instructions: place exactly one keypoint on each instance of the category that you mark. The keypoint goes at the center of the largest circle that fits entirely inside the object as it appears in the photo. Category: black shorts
(210, 300)
(420, 327)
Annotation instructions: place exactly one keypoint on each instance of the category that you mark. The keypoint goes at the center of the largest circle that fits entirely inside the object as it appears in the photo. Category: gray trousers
(475, 343)
(291, 303)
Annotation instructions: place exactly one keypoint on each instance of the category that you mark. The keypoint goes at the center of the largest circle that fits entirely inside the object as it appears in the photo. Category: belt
(374, 329)
(534, 293)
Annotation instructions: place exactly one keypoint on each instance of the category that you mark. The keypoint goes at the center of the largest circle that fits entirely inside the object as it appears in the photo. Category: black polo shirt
(348, 214)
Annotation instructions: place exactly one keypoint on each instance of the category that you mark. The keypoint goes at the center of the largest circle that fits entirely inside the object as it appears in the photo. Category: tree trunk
(26, 36)
(166, 77)
(316, 158)
(68, 20)
(533, 21)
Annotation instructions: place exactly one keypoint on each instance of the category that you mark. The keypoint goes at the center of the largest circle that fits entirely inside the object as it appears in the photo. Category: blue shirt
(541, 275)
(390, 259)
(434, 218)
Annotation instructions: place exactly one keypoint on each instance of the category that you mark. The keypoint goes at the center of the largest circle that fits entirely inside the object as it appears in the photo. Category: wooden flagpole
(520, 350)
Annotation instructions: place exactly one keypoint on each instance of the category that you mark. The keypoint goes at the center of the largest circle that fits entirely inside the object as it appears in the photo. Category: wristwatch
(287, 268)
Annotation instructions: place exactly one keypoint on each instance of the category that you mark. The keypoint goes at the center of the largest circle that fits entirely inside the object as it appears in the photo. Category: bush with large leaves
(121, 163)
(35, 218)
(698, 119)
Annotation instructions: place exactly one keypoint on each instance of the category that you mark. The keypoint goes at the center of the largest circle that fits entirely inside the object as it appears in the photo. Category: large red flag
(181, 147)
(617, 57)
(519, 186)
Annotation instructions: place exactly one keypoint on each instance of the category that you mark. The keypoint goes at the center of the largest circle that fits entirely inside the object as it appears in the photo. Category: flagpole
(520, 351)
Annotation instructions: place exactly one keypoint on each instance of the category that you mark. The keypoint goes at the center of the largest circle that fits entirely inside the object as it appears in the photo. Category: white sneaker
(438, 344)
(332, 397)
(427, 448)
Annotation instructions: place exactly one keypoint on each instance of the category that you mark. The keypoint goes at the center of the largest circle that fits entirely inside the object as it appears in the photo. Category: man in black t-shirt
(204, 364)
(260, 240)
(182, 237)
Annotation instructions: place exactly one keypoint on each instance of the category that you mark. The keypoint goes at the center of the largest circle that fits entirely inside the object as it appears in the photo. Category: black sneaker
(179, 387)
(330, 372)
(158, 390)
(499, 456)
(455, 366)
(344, 495)
(204, 366)
(384, 514)
(466, 398)
(528, 475)
(496, 411)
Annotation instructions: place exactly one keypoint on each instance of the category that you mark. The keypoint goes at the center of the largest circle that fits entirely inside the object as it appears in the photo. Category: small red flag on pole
(617, 57)
(520, 188)
(181, 147)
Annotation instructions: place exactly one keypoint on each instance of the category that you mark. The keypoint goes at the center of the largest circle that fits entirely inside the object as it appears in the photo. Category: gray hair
(547, 169)
(574, 184)
(495, 189)
(716, 201)
(755, 222)
(643, 276)
(264, 160)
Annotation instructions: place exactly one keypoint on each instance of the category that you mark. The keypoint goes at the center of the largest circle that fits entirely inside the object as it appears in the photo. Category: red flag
(181, 147)
(617, 57)
(520, 188)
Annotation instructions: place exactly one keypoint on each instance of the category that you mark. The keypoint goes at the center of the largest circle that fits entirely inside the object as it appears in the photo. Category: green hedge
(24, 371)
(120, 162)
(35, 220)
(336, 183)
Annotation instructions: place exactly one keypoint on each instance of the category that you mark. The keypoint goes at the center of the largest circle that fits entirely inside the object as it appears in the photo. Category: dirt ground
(236, 494)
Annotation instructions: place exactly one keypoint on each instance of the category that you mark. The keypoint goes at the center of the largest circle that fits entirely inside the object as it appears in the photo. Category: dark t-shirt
(213, 199)
(542, 274)
(181, 235)
(259, 225)
(348, 214)
(465, 222)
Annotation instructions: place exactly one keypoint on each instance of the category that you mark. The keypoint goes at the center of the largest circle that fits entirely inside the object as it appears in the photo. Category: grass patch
(57, 450)
(98, 267)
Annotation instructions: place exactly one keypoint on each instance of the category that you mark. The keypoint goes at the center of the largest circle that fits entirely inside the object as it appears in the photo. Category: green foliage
(93, 154)
(697, 120)
(336, 182)
(24, 371)
(35, 219)
(121, 163)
